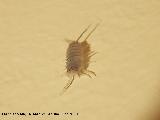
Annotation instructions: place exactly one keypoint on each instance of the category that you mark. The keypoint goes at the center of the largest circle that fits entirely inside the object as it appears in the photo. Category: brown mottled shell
(78, 57)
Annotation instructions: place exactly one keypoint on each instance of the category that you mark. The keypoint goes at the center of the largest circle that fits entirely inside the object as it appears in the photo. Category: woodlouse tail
(67, 85)
(92, 31)
(83, 33)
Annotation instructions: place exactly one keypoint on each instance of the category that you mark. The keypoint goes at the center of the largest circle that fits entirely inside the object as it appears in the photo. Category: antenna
(92, 31)
(83, 33)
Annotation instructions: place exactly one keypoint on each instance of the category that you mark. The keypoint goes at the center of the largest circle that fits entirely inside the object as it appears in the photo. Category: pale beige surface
(32, 57)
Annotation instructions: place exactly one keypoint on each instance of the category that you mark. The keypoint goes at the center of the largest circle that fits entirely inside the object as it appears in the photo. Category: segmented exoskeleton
(78, 57)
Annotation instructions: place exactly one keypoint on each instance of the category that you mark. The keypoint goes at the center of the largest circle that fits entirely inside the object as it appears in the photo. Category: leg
(89, 71)
(86, 74)
(92, 53)
(92, 61)
(78, 75)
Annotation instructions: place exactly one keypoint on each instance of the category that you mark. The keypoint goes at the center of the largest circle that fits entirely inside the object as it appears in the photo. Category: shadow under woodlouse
(78, 57)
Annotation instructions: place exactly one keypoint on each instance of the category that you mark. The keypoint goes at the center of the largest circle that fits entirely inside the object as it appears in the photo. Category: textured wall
(32, 58)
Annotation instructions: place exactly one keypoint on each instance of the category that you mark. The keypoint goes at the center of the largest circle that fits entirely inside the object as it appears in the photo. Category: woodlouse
(78, 57)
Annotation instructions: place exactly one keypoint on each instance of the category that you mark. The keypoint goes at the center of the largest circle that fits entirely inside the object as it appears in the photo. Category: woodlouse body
(78, 57)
